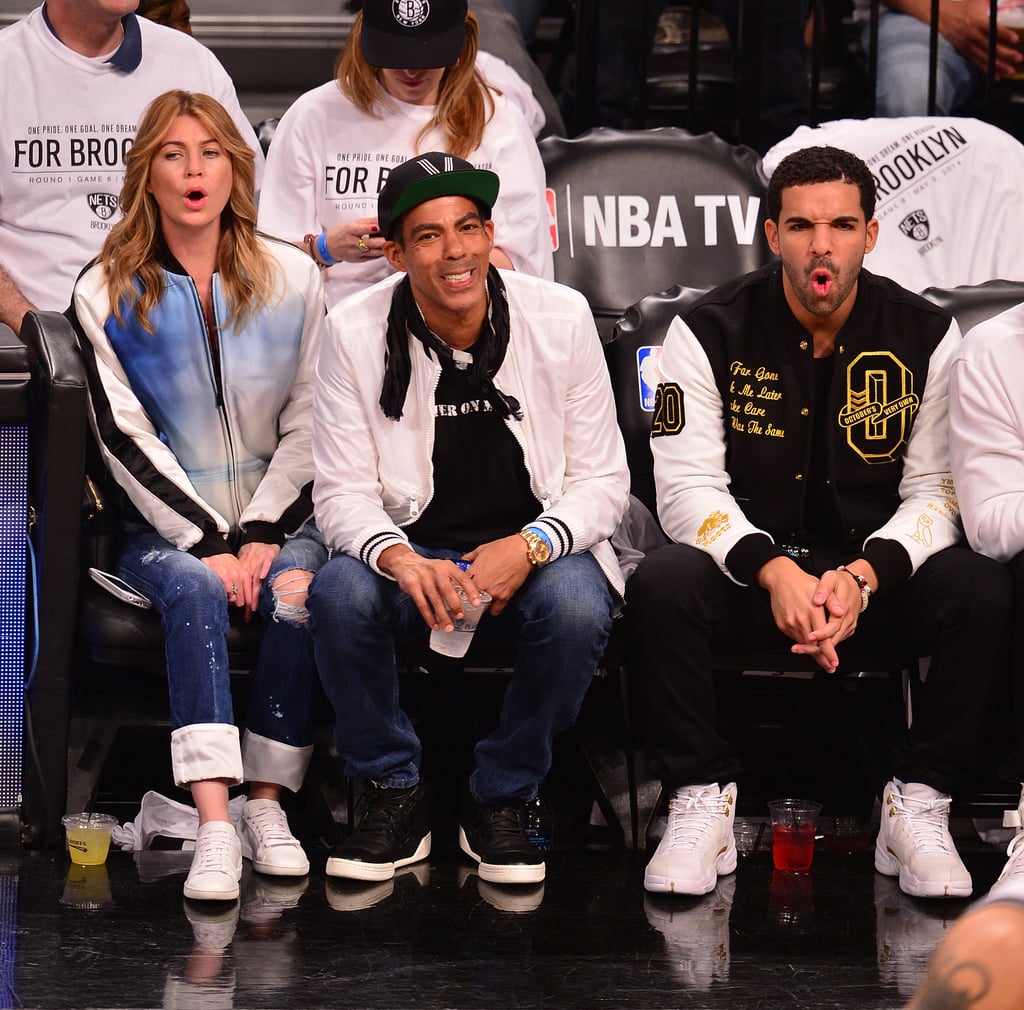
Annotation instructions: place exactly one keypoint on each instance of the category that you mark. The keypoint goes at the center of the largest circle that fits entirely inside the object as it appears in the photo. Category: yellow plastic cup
(88, 837)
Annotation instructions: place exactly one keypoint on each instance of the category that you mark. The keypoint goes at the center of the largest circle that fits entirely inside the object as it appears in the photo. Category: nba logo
(549, 197)
(648, 374)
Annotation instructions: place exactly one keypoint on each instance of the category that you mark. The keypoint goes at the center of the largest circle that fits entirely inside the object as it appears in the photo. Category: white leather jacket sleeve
(986, 423)
(695, 505)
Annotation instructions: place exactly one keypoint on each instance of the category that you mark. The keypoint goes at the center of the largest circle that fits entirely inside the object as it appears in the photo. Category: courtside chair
(635, 211)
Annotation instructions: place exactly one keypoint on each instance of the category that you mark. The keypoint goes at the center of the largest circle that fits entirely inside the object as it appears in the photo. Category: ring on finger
(362, 245)
(234, 590)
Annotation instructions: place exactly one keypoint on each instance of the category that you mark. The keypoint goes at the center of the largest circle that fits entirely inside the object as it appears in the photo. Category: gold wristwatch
(539, 552)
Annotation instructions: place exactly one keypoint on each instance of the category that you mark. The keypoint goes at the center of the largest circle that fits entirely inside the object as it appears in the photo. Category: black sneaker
(495, 836)
(392, 830)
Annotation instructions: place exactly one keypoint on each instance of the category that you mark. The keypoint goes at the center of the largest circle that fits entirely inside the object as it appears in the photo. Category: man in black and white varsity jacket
(802, 469)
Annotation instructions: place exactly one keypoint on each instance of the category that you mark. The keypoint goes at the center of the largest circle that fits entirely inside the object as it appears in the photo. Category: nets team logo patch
(915, 225)
(103, 205)
(410, 13)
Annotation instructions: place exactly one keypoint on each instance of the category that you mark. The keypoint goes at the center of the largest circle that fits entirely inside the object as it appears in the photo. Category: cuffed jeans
(193, 609)
(558, 621)
(956, 609)
(902, 82)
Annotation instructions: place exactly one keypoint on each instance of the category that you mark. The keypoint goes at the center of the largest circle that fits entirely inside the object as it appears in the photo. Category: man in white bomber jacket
(986, 438)
(802, 470)
(461, 414)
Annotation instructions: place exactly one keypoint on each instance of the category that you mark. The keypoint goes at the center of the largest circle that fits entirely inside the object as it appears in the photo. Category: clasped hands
(242, 575)
(817, 613)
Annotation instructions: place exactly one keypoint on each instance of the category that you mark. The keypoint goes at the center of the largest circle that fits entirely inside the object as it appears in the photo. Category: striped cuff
(557, 534)
(376, 544)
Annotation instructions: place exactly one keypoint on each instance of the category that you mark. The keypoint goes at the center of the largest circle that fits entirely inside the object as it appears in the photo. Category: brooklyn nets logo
(880, 401)
(915, 225)
(103, 205)
(410, 13)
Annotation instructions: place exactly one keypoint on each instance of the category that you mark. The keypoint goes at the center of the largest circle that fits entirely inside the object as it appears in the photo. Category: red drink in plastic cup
(793, 847)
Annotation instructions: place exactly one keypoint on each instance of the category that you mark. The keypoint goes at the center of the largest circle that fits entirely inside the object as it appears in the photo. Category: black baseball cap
(413, 34)
(428, 176)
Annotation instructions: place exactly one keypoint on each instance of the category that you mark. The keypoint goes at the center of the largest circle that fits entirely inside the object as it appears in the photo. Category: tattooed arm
(978, 965)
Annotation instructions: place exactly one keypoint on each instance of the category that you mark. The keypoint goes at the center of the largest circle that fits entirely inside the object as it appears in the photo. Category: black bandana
(488, 351)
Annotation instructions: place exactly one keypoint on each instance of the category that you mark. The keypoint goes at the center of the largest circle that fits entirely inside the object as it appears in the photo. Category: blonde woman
(200, 339)
(405, 85)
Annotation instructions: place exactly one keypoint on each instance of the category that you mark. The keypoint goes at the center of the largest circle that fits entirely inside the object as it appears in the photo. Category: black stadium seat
(635, 211)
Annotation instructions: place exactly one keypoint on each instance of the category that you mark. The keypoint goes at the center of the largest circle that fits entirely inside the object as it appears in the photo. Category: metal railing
(244, 43)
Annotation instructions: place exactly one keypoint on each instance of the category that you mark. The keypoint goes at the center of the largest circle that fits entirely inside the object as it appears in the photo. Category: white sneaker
(698, 843)
(268, 841)
(914, 843)
(1012, 877)
(1015, 818)
(216, 864)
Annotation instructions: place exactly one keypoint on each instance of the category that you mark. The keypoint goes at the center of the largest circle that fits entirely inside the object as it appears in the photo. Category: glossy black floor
(437, 936)
(120, 935)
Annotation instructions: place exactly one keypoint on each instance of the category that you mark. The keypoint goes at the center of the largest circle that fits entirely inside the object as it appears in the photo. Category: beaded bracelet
(862, 585)
(310, 243)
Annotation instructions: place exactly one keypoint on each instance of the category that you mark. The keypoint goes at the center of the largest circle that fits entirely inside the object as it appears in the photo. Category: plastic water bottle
(540, 821)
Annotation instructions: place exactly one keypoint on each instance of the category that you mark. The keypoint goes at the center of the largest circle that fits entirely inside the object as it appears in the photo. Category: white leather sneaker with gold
(698, 843)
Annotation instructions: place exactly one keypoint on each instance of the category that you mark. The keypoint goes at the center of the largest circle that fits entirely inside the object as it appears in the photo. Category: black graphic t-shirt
(481, 487)
(821, 519)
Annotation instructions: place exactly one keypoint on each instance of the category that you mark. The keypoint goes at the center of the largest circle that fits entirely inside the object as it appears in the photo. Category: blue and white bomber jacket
(206, 447)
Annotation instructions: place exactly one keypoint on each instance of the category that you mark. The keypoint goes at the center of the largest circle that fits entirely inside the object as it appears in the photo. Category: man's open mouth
(821, 282)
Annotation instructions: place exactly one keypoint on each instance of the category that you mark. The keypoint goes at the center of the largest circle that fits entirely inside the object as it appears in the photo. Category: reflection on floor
(120, 935)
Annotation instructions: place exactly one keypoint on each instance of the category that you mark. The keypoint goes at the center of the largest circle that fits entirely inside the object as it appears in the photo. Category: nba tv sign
(626, 221)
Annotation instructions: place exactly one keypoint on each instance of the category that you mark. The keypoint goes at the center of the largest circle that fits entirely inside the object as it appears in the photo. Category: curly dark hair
(821, 164)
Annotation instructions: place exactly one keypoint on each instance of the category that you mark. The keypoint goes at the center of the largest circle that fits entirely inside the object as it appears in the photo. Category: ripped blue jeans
(193, 608)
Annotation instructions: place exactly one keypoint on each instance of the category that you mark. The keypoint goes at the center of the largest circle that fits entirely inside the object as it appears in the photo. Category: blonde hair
(464, 101)
(129, 256)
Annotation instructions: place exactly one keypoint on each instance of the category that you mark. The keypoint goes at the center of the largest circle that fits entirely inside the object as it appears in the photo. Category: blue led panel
(13, 553)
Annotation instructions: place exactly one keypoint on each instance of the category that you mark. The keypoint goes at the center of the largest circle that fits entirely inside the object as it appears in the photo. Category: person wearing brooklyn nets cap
(462, 413)
(407, 82)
